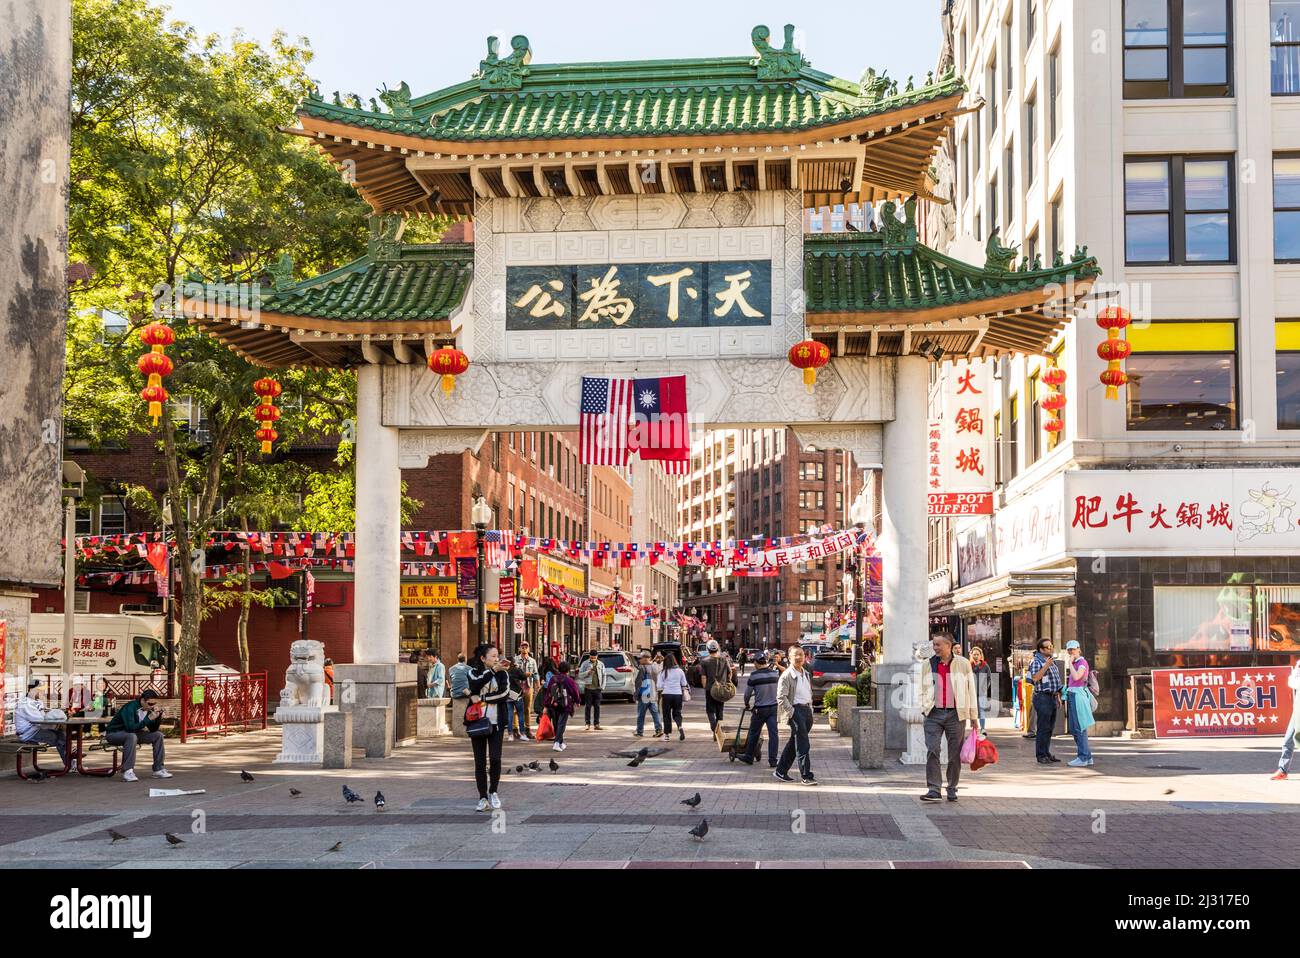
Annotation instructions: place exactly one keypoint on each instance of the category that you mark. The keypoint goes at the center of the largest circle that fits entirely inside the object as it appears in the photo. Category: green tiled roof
(861, 272)
(417, 282)
(662, 97)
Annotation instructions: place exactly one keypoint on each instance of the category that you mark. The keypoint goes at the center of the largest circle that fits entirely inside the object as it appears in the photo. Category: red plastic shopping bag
(545, 730)
(986, 753)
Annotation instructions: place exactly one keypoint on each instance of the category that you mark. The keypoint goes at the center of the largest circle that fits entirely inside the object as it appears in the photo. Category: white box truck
(126, 643)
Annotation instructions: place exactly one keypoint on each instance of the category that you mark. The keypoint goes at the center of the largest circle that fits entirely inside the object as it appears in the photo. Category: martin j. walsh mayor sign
(1199, 703)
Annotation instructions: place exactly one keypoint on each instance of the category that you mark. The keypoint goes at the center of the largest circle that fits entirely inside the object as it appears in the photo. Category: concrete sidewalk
(1146, 803)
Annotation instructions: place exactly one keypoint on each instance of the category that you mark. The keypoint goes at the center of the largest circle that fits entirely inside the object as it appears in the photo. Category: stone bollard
(458, 717)
(869, 738)
(844, 706)
(377, 732)
(338, 740)
(431, 719)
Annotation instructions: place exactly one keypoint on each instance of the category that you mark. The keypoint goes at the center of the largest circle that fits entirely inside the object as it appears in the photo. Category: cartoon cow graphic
(1266, 512)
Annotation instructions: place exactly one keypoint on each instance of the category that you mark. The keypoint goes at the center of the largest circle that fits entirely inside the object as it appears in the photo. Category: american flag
(494, 549)
(604, 416)
(676, 467)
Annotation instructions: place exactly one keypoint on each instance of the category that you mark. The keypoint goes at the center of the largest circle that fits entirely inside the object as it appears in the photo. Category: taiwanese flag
(660, 429)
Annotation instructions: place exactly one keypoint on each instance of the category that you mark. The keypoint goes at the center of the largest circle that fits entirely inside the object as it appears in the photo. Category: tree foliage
(177, 166)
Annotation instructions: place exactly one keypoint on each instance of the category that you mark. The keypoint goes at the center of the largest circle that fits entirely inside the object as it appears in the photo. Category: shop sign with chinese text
(1205, 703)
(959, 444)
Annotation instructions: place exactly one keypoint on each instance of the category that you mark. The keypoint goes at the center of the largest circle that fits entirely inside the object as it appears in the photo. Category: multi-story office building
(706, 509)
(609, 511)
(1157, 528)
(654, 519)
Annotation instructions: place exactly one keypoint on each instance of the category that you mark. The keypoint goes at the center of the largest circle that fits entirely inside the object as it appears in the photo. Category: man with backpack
(719, 684)
(646, 696)
(591, 679)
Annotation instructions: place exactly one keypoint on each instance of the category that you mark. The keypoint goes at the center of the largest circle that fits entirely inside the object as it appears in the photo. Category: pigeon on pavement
(335, 847)
(693, 801)
(116, 836)
(294, 793)
(245, 776)
(173, 840)
(379, 801)
(555, 766)
(702, 829)
(535, 765)
(641, 756)
(351, 796)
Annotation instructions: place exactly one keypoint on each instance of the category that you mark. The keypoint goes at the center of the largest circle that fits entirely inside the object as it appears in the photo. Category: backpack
(557, 694)
(1093, 685)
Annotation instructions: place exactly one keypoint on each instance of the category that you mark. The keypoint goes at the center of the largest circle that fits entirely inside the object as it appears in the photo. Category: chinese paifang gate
(636, 219)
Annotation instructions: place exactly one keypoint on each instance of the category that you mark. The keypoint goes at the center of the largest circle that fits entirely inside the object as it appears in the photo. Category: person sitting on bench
(137, 721)
(29, 711)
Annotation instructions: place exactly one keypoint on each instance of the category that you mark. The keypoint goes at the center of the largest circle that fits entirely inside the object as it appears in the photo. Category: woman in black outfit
(489, 684)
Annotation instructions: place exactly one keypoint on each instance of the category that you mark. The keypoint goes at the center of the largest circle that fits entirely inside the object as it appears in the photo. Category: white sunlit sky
(435, 43)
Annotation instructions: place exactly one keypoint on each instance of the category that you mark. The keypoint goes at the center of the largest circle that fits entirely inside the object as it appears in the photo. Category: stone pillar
(378, 527)
(338, 740)
(903, 537)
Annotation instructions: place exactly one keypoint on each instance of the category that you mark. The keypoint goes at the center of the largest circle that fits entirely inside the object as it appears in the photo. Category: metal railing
(222, 703)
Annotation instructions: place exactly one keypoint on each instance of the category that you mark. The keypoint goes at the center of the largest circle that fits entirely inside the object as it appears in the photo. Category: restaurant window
(1202, 618)
(1286, 208)
(1178, 210)
(1284, 56)
(1177, 48)
(1288, 374)
(1182, 375)
(1013, 439)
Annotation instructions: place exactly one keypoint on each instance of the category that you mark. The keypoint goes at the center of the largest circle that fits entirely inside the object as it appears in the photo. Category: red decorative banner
(961, 503)
(506, 600)
(1213, 703)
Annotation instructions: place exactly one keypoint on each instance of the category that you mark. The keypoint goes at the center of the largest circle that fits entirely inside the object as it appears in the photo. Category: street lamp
(74, 487)
(859, 513)
(480, 515)
(618, 587)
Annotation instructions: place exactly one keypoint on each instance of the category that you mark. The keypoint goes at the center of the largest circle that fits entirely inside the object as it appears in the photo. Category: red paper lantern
(266, 413)
(810, 356)
(1053, 402)
(1054, 376)
(1053, 425)
(448, 362)
(268, 436)
(1112, 379)
(155, 396)
(267, 388)
(155, 364)
(1113, 350)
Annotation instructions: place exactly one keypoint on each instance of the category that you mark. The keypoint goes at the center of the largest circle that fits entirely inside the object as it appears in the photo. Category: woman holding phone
(489, 685)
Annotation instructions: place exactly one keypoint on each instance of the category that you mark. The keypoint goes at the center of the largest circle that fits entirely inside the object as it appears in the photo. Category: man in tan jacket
(948, 702)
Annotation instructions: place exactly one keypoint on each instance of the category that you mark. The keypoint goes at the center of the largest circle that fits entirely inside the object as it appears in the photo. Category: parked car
(831, 668)
(620, 673)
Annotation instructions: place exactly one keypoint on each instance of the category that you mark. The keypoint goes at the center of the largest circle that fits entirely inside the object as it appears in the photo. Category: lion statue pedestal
(303, 704)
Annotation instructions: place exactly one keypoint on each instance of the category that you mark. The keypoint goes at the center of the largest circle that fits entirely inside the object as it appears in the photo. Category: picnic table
(73, 730)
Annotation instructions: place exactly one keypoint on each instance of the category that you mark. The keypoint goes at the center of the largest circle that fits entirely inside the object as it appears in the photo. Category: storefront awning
(1017, 590)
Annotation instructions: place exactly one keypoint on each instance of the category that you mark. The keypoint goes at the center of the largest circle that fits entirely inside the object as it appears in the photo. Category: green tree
(177, 166)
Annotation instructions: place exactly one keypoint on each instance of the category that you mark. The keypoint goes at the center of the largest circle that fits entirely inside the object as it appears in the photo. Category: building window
(997, 448)
(1182, 375)
(812, 499)
(1284, 32)
(993, 203)
(85, 522)
(1009, 176)
(1031, 246)
(839, 472)
(1176, 48)
(1178, 210)
(1054, 93)
(1202, 618)
(991, 85)
(1031, 138)
(975, 144)
(1056, 224)
(1288, 374)
(1031, 20)
(112, 517)
(1286, 208)
(812, 471)
(812, 590)
(1034, 436)
(1013, 439)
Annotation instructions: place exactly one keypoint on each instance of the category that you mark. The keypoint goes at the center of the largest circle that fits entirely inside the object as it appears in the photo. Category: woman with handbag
(485, 721)
(1079, 702)
(560, 698)
(673, 685)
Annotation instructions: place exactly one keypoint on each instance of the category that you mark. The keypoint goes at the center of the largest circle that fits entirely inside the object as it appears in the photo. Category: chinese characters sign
(959, 445)
(639, 295)
(1202, 703)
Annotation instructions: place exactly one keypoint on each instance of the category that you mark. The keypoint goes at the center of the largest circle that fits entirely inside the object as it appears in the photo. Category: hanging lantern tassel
(448, 363)
(1113, 349)
(154, 365)
(267, 412)
(809, 355)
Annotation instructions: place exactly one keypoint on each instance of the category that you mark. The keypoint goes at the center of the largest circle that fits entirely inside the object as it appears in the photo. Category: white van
(120, 644)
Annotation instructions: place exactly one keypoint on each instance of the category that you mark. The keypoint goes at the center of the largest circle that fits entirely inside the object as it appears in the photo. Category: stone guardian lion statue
(304, 679)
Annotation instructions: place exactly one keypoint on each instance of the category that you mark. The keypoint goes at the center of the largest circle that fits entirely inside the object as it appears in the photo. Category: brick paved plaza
(1181, 805)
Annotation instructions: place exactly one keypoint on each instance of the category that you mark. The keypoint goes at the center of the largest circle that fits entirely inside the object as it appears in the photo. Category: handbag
(723, 689)
(545, 730)
(970, 745)
(476, 721)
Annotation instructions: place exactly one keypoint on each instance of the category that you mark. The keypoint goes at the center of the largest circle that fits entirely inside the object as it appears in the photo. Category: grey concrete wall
(35, 64)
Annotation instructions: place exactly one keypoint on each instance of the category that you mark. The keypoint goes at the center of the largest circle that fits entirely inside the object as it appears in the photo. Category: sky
(434, 43)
